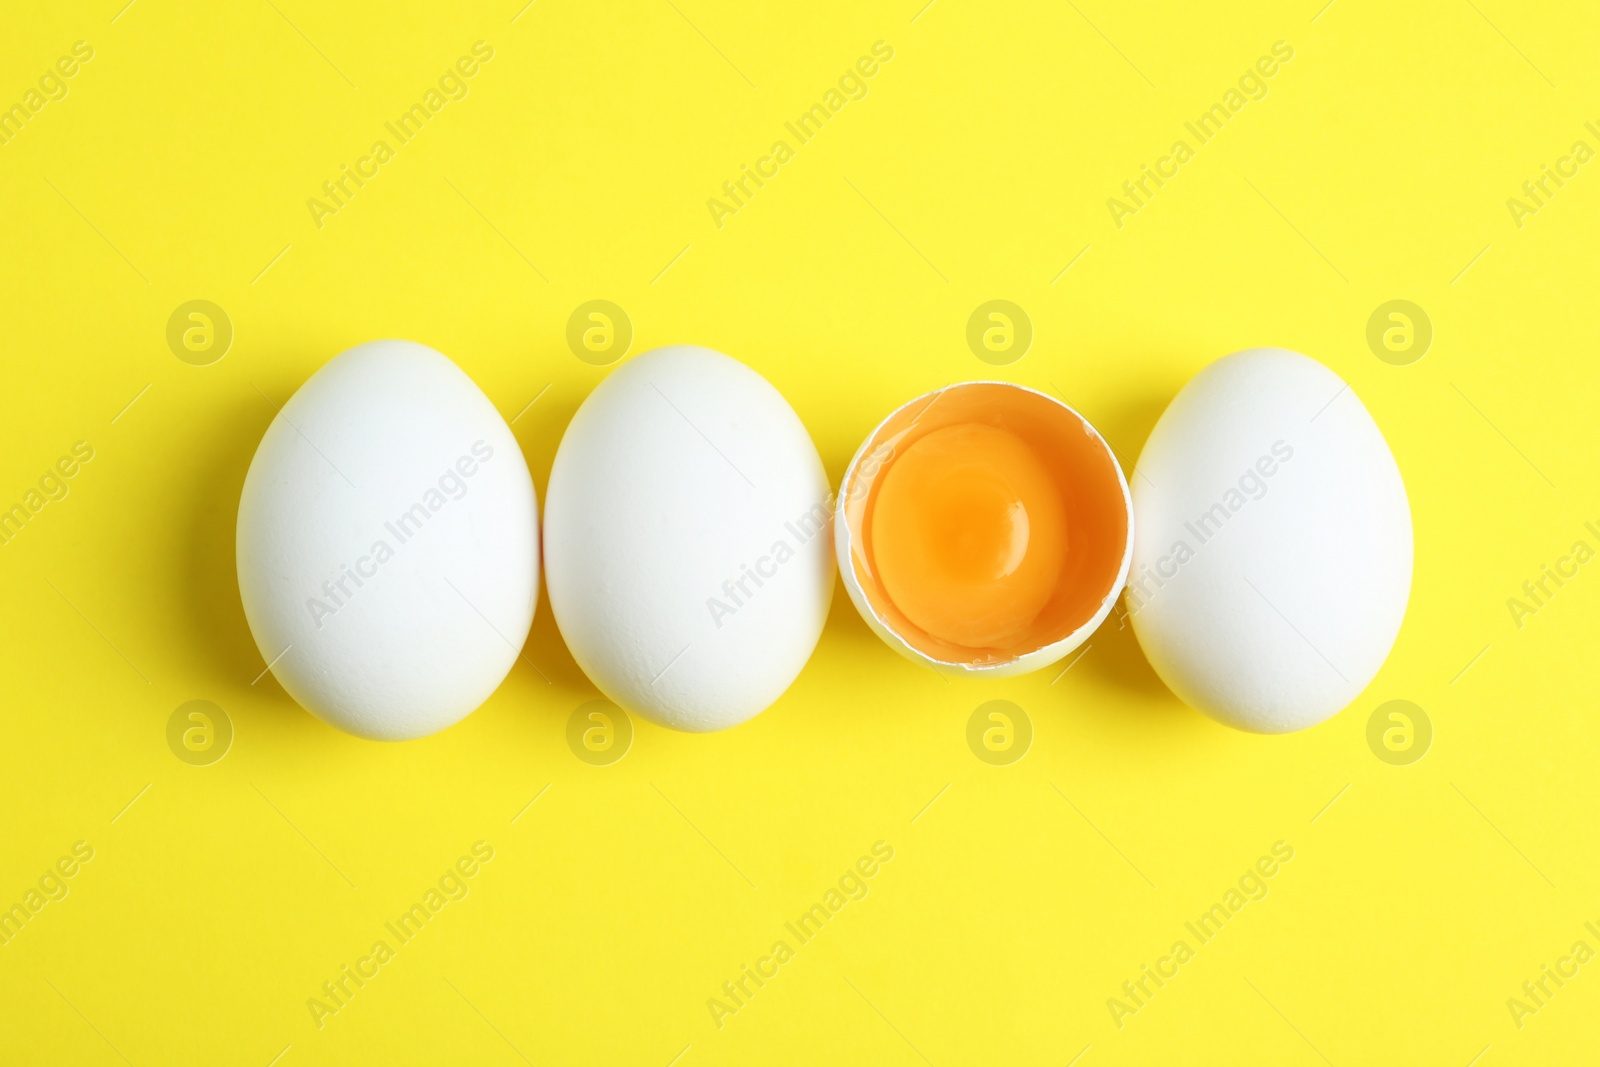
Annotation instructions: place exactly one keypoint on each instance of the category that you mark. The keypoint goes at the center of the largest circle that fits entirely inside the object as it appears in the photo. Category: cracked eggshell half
(1273, 563)
(388, 543)
(984, 529)
(687, 552)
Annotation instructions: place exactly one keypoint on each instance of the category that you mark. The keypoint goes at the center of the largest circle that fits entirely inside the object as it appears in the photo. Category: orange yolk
(969, 534)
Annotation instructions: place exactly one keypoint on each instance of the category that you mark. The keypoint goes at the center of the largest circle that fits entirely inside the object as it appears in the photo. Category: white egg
(687, 545)
(1272, 563)
(388, 548)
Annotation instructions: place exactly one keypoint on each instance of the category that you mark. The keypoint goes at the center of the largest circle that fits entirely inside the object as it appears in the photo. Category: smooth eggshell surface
(388, 548)
(688, 553)
(1272, 562)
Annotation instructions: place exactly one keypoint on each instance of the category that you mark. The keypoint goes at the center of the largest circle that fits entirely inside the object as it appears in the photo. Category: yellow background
(1378, 167)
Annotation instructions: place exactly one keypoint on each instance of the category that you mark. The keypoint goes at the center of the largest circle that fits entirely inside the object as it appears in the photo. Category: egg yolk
(969, 534)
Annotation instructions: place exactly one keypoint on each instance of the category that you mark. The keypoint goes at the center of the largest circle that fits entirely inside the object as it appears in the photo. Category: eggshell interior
(1093, 491)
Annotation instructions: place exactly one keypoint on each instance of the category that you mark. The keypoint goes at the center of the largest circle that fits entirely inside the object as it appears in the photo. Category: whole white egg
(1272, 561)
(388, 550)
(688, 549)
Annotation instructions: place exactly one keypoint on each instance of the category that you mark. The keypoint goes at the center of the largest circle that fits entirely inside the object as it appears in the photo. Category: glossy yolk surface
(969, 534)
